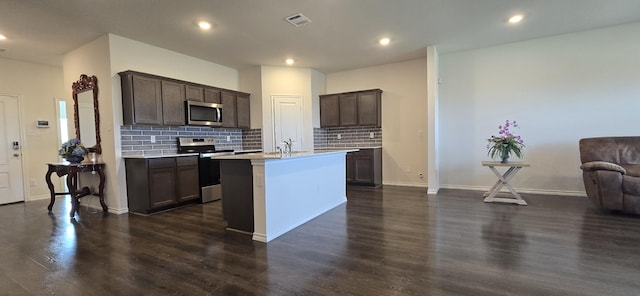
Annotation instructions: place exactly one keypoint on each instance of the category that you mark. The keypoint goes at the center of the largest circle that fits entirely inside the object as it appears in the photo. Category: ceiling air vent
(298, 20)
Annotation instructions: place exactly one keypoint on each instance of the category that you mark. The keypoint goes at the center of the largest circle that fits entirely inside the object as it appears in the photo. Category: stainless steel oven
(208, 169)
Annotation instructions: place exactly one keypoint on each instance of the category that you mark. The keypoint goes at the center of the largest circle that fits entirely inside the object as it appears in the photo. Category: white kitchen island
(289, 189)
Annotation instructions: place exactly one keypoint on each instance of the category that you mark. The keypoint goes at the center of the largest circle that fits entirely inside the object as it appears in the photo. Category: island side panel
(290, 192)
(237, 194)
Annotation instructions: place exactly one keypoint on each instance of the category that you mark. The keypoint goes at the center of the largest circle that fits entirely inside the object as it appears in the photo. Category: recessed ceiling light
(289, 61)
(204, 25)
(516, 19)
(385, 41)
(2, 37)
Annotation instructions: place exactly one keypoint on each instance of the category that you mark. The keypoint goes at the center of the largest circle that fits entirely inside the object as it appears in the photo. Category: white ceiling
(343, 34)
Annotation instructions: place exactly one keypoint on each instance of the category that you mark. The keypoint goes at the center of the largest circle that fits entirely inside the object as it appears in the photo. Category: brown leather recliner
(611, 172)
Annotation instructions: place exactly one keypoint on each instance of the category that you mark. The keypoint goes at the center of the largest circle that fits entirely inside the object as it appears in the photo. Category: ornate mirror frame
(87, 83)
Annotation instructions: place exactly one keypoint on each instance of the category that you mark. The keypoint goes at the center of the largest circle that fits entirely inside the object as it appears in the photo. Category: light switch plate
(339, 136)
(153, 139)
(371, 135)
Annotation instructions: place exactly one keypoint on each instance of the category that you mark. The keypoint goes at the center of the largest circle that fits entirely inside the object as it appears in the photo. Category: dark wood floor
(388, 241)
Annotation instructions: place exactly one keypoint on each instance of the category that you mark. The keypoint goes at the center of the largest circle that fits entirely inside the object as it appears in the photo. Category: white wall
(286, 81)
(128, 54)
(93, 59)
(433, 130)
(37, 86)
(251, 82)
(404, 115)
(559, 89)
(318, 87)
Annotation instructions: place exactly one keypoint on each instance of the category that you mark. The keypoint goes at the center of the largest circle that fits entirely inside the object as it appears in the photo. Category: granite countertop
(161, 156)
(277, 155)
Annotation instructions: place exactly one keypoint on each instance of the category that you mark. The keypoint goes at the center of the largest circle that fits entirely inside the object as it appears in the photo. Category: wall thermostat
(42, 123)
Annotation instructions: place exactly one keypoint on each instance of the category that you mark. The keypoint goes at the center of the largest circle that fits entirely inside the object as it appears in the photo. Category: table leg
(503, 181)
(101, 190)
(47, 178)
(71, 183)
(496, 187)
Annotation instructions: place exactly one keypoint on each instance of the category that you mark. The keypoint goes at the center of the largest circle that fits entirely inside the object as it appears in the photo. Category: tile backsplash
(359, 137)
(136, 140)
(252, 139)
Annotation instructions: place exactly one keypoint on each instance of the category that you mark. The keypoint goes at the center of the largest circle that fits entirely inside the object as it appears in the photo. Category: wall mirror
(86, 115)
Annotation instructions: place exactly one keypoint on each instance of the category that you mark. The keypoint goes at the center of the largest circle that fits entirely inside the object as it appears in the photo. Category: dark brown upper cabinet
(154, 100)
(194, 93)
(358, 108)
(141, 99)
(212, 95)
(243, 110)
(235, 109)
(172, 103)
(369, 108)
(329, 110)
(228, 109)
(148, 100)
(349, 109)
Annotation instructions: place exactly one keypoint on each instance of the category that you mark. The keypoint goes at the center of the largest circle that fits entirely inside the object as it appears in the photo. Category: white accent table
(503, 181)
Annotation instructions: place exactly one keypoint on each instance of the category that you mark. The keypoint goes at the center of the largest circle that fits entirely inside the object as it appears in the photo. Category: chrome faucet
(288, 145)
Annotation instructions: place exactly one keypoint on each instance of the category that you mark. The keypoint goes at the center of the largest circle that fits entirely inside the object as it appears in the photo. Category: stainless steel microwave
(201, 113)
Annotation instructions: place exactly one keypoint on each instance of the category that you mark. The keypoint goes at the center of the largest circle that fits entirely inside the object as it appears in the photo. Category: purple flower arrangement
(505, 143)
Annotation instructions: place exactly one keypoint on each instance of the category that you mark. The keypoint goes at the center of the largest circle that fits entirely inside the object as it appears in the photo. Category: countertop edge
(343, 148)
(280, 156)
(159, 156)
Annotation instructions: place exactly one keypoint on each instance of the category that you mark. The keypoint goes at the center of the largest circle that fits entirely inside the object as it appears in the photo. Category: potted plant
(505, 143)
(73, 151)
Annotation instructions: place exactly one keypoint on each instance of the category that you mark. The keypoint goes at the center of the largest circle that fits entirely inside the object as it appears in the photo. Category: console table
(72, 170)
(503, 181)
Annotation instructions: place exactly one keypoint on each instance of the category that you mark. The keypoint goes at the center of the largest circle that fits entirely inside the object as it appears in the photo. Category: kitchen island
(269, 194)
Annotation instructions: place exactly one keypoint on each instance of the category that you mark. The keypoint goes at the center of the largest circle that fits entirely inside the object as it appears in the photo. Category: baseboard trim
(405, 184)
(519, 190)
(38, 197)
(87, 201)
(259, 237)
(118, 211)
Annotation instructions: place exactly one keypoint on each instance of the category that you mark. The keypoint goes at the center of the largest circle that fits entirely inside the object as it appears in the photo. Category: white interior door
(287, 121)
(11, 187)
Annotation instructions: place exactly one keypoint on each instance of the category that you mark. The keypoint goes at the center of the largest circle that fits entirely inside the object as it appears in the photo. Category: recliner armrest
(602, 165)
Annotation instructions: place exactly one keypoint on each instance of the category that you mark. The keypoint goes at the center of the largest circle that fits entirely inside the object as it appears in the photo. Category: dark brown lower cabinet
(162, 187)
(155, 184)
(187, 176)
(364, 167)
